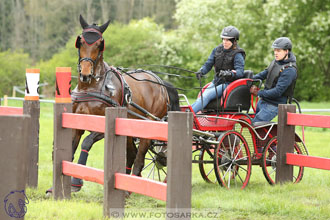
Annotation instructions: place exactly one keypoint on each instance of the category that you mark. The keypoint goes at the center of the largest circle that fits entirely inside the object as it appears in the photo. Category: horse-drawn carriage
(225, 141)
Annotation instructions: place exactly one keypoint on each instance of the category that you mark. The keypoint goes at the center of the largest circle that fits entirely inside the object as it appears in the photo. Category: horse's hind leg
(86, 145)
(139, 160)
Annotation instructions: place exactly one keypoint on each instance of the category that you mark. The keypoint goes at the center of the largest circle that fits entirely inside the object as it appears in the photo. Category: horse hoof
(76, 184)
(127, 194)
(49, 192)
(75, 188)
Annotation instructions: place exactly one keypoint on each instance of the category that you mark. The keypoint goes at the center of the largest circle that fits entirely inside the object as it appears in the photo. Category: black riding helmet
(282, 43)
(230, 32)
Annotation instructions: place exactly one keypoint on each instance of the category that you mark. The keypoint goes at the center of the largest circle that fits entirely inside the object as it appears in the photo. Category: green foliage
(42, 27)
(132, 44)
(260, 23)
(67, 57)
(199, 24)
(12, 71)
(177, 50)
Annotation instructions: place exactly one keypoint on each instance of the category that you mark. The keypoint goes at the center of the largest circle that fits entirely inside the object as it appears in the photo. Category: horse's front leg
(130, 154)
(139, 160)
(86, 145)
(76, 136)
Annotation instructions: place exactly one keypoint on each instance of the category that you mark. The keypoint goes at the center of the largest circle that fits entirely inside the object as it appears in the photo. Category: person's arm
(262, 75)
(209, 63)
(239, 66)
(284, 81)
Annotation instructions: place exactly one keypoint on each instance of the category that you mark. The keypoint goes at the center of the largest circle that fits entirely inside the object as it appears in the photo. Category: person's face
(280, 53)
(226, 43)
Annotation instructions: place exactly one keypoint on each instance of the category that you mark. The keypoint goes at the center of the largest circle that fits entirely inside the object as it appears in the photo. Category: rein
(129, 73)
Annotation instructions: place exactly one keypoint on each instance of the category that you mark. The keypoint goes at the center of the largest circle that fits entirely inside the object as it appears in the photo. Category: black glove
(226, 74)
(199, 74)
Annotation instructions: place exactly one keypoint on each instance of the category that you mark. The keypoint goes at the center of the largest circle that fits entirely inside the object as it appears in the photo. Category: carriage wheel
(206, 167)
(156, 162)
(269, 162)
(232, 161)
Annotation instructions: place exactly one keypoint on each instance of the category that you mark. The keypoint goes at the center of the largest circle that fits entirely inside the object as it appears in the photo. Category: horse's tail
(173, 96)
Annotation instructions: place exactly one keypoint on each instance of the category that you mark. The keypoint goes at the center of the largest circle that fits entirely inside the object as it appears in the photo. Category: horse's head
(91, 46)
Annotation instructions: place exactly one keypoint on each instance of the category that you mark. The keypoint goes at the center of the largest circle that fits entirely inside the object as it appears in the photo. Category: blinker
(90, 36)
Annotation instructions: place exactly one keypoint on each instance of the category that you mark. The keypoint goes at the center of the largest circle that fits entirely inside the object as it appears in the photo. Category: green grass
(309, 199)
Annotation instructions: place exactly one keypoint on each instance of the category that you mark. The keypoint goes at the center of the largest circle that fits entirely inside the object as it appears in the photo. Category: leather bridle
(93, 64)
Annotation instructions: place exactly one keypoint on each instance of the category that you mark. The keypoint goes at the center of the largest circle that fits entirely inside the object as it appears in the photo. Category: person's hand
(226, 74)
(254, 90)
(199, 74)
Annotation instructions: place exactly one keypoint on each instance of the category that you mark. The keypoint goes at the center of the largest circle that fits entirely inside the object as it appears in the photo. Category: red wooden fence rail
(287, 120)
(320, 121)
(5, 110)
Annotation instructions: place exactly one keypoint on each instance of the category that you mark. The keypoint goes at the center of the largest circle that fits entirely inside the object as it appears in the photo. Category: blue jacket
(287, 76)
(238, 64)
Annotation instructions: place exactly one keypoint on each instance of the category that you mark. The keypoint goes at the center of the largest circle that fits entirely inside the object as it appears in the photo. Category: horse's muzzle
(86, 78)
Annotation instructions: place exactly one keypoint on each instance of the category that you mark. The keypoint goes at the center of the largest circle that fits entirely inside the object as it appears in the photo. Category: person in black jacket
(228, 60)
(280, 78)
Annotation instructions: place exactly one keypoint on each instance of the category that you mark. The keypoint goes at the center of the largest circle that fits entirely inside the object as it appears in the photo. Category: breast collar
(103, 94)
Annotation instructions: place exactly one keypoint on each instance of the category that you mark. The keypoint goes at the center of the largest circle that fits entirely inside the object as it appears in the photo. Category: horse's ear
(104, 26)
(83, 23)
(102, 45)
(78, 42)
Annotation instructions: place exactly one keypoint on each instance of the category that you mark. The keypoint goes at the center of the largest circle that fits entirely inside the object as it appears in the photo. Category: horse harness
(159, 82)
(105, 98)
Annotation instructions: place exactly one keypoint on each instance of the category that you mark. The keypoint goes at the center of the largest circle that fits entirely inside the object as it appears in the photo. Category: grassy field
(309, 199)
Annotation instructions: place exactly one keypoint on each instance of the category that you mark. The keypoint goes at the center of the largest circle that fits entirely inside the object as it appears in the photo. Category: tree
(12, 71)
(260, 23)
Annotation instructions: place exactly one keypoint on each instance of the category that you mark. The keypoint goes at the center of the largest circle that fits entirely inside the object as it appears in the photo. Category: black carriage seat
(236, 97)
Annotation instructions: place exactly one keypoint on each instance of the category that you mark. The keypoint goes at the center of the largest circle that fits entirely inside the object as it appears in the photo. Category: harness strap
(144, 111)
(113, 103)
(85, 97)
(159, 81)
(105, 98)
(122, 81)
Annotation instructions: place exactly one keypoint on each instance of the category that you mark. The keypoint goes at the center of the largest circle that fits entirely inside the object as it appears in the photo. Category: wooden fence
(31, 106)
(14, 136)
(177, 132)
(286, 159)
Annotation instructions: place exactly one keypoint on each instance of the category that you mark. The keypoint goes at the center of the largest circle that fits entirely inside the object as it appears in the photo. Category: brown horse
(100, 86)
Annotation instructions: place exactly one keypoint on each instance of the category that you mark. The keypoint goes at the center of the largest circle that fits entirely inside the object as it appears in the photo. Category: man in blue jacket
(280, 78)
